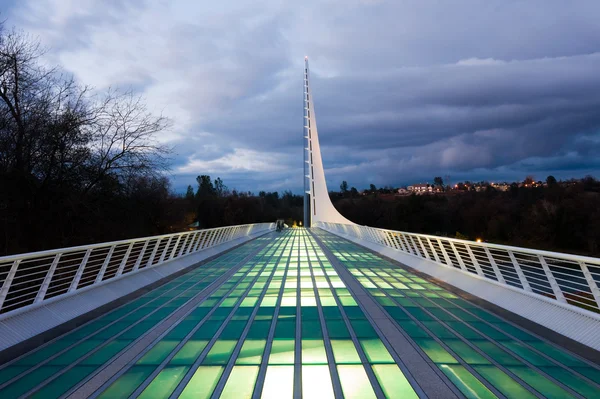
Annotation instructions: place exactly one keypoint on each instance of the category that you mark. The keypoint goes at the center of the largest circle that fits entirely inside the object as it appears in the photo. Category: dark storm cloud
(404, 90)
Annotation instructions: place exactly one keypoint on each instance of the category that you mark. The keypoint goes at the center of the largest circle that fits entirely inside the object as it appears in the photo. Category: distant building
(403, 191)
(420, 188)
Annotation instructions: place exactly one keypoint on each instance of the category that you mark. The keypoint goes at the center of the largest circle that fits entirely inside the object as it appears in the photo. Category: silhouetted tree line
(76, 167)
(560, 217)
(215, 205)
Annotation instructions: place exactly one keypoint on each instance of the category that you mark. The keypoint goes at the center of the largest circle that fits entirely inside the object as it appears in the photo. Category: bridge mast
(306, 145)
(317, 205)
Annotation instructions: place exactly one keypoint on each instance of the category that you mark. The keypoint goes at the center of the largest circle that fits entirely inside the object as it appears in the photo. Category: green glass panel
(490, 331)
(470, 386)
(375, 350)
(64, 382)
(464, 330)
(285, 329)
(189, 352)
(355, 383)
(10, 372)
(311, 329)
(354, 312)
(396, 313)
(494, 351)
(128, 382)
(526, 353)
(73, 354)
(393, 382)
(313, 352)
(208, 330)
(220, 352)
(44, 353)
(259, 329)
(240, 383)
(572, 381)
(164, 383)
(363, 329)
(517, 332)
(282, 352)
(316, 382)
(344, 352)
(106, 353)
(468, 354)
(203, 383)
(435, 351)
(337, 329)
(158, 353)
(413, 329)
(503, 382)
(560, 356)
(138, 330)
(279, 383)
(251, 352)
(182, 329)
(233, 330)
(540, 383)
(439, 330)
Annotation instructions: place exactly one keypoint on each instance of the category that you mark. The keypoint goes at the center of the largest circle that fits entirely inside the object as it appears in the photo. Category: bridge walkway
(300, 314)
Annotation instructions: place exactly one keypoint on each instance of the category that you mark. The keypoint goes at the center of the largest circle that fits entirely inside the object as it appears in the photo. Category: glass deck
(282, 323)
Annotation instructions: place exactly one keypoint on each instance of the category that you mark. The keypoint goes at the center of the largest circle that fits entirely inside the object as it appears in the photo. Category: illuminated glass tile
(240, 383)
(344, 351)
(279, 383)
(393, 382)
(189, 352)
(313, 352)
(251, 352)
(355, 383)
(282, 351)
(470, 386)
(316, 382)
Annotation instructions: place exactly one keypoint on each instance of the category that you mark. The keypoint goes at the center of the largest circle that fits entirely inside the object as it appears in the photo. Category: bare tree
(123, 137)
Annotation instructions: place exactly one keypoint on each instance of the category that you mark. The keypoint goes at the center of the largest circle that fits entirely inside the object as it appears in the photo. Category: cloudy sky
(404, 90)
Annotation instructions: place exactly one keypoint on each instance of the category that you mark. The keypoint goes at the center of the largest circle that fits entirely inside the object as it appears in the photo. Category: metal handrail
(35, 277)
(568, 279)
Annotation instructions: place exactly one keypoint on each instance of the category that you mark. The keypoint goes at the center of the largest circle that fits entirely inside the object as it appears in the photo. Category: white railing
(570, 279)
(28, 279)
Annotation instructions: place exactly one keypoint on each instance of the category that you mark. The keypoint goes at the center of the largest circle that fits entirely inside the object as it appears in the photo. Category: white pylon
(321, 208)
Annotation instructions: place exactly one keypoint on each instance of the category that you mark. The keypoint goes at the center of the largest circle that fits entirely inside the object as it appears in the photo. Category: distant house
(403, 191)
(420, 188)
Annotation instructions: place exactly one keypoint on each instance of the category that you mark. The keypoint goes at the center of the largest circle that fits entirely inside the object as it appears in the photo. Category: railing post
(497, 271)
(46, 283)
(423, 247)
(409, 248)
(8, 281)
(555, 287)
(175, 247)
(192, 243)
(201, 239)
(164, 252)
(184, 245)
(520, 273)
(433, 251)
(138, 262)
(474, 260)
(80, 270)
(154, 251)
(105, 264)
(591, 282)
(463, 267)
(124, 261)
(414, 245)
(448, 261)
